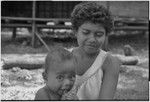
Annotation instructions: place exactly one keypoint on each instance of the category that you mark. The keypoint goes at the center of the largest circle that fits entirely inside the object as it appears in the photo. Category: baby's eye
(60, 77)
(71, 77)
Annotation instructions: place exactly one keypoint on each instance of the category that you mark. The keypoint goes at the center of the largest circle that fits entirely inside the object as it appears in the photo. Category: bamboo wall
(57, 9)
(46, 9)
(16, 8)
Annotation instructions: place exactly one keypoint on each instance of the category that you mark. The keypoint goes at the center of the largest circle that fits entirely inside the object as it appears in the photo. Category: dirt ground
(23, 84)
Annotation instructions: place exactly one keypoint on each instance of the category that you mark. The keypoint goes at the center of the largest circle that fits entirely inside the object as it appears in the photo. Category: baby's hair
(56, 55)
(91, 12)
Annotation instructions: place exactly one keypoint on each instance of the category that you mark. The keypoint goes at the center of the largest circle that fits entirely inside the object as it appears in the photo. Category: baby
(59, 74)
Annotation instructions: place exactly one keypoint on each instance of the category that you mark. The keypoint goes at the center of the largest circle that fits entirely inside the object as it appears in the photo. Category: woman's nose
(92, 37)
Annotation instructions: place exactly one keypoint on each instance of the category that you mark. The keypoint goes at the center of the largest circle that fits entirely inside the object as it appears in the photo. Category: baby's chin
(62, 92)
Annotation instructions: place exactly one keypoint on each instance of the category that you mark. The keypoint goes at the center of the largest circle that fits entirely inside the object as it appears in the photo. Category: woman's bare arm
(110, 68)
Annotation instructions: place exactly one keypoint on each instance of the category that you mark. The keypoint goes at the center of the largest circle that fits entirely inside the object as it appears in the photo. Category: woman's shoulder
(111, 63)
(111, 58)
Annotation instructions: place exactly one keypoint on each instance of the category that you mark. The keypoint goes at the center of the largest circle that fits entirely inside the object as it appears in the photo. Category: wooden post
(107, 4)
(33, 23)
(106, 43)
(14, 33)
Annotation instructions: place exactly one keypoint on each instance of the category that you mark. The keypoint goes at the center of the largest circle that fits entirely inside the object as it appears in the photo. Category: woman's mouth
(92, 46)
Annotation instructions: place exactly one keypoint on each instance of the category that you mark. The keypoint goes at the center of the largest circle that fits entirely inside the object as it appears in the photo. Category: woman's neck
(87, 55)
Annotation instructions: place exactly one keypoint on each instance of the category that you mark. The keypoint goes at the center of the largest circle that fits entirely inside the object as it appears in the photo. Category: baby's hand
(71, 95)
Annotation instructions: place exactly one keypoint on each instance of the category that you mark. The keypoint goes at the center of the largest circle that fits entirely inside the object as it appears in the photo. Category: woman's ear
(105, 46)
(75, 32)
(44, 76)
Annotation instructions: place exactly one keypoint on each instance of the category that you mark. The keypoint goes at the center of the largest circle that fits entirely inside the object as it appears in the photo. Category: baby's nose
(67, 83)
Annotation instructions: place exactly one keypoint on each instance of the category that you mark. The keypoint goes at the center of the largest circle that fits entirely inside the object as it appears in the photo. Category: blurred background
(29, 28)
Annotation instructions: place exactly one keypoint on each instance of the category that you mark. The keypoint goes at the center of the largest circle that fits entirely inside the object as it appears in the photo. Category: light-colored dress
(87, 86)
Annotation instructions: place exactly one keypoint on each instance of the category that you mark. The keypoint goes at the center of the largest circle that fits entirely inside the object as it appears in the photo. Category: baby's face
(61, 78)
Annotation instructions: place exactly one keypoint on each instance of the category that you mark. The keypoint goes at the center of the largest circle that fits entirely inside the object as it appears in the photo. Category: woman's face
(90, 37)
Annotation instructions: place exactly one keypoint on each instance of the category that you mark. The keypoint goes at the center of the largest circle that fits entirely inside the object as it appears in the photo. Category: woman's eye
(85, 32)
(99, 34)
(60, 77)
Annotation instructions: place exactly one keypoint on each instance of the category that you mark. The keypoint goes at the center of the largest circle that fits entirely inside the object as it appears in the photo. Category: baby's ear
(44, 76)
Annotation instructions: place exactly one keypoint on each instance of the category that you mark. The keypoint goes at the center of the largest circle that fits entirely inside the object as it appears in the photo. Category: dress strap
(95, 66)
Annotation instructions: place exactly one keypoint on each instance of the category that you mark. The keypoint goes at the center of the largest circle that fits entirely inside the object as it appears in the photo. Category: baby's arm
(41, 95)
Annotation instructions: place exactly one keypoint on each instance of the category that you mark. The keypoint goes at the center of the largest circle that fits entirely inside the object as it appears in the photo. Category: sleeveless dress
(87, 86)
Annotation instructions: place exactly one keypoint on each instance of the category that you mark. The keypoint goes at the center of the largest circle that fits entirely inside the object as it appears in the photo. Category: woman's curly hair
(91, 12)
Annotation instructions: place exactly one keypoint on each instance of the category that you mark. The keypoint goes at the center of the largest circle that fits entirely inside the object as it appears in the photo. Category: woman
(97, 71)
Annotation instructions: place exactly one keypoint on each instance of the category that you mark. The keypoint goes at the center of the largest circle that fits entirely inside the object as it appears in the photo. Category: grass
(133, 84)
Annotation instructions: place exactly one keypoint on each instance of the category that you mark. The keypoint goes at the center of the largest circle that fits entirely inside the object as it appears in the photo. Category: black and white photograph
(74, 50)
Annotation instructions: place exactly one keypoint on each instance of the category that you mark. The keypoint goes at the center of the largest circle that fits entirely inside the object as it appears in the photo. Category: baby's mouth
(62, 91)
(65, 91)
